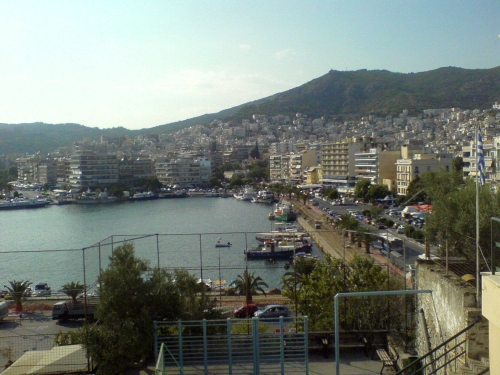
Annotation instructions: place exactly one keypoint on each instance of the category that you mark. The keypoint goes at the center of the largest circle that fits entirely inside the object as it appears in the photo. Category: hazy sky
(140, 64)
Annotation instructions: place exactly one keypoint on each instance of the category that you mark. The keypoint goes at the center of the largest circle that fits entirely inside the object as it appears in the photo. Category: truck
(67, 310)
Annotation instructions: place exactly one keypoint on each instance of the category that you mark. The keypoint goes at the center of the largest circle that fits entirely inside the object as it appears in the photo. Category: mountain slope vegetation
(336, 95)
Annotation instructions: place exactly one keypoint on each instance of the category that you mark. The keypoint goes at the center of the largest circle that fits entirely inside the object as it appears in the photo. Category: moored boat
(284, 211)
(93, 198)
(17, 203)
(278, 250)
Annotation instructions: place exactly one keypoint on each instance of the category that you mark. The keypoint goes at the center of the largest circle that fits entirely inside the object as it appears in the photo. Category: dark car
(273, 311)
(245, 311)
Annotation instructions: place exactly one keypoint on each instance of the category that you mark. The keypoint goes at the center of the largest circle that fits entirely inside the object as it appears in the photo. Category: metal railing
(232, 346)
(441, 357)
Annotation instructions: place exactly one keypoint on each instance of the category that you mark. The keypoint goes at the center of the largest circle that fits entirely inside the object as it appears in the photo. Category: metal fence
(233, 346)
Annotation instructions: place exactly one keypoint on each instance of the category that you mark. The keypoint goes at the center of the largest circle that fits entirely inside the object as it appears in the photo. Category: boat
(41, 290)
(284, 211)
(278, 250)
(223, 244)
(17, 203)
(143, 196)
(248, 194)
(170, 194)
(92, 198)
(290, 236)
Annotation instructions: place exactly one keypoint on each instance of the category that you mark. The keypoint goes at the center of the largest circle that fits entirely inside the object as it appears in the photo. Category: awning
(66, 359)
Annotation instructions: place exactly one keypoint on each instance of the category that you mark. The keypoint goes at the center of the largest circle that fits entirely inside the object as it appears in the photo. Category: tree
(364, 235)
(376, 192)
(17, 289)
(294, 280)
(361, 188)
(415, 192)
(458, 164)
(249, 284)
(73, 290)
(348, 223)
(255, 151)
(132, 296)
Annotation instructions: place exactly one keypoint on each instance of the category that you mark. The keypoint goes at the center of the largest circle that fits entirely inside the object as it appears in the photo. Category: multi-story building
(338, 158)
(47, 172)
(130, 170)
(410, 167)
(291, 168)
(490, 160)
(90, 170)
(183, 171)
(376, 165)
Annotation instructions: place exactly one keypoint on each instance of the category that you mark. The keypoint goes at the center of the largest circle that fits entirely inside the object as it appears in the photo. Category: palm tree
(17, 289)
(349, 223)
(73, 289)
(364, 235)
(249, 284)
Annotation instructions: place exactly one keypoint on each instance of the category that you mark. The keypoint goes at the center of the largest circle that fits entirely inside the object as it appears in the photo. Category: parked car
(273, 311)
(4, 293)
(245, 311)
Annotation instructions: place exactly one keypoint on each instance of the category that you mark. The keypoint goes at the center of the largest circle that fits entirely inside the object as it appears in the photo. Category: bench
(388, 358)
(325, 340)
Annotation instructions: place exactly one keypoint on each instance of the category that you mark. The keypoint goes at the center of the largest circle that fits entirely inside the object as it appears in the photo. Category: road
(411, 249)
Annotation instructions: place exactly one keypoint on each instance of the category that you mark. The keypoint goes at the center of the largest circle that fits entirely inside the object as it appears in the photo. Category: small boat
(223, 244)
(248, 194)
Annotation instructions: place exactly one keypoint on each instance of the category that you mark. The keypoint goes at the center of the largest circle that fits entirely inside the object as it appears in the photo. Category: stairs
(475, 367)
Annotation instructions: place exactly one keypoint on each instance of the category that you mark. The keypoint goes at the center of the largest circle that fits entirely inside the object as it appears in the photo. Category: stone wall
(449, 309)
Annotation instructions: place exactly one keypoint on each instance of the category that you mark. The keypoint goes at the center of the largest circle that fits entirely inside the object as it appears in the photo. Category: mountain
(336, 95)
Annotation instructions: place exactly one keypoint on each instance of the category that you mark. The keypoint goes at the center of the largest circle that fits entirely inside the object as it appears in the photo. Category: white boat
(292, 236)
(17, 203)
(248, 194)
(143, 196)
(92, 198)
(41, 290)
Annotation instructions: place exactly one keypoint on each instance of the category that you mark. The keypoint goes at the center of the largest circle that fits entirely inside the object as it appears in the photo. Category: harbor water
(60, 244)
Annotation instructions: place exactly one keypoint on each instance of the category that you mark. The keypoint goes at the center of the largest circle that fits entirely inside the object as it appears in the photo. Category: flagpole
(477, 214)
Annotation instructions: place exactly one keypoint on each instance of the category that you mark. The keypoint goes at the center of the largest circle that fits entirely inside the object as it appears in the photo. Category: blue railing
(232, 346)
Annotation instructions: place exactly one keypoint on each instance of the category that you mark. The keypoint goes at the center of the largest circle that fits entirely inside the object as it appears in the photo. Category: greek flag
(480, 158)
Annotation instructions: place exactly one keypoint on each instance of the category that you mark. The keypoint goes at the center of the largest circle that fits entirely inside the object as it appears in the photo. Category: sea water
(60, 244)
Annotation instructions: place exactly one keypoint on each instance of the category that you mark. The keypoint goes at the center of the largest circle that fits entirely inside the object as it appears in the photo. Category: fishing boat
(278, 250)
(284, 211)
(223, 244)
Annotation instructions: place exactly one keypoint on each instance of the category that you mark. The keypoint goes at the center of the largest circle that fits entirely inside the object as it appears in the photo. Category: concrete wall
(450, 308)
(491, 308)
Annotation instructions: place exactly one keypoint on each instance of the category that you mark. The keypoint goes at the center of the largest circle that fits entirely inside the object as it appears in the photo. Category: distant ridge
(336, 95)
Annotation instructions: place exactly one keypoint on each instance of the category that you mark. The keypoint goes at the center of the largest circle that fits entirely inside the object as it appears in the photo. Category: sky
(140, 64)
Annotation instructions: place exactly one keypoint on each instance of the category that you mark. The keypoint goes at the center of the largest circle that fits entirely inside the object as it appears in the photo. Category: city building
(91, 170)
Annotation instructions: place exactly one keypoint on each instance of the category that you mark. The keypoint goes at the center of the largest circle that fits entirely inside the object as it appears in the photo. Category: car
(273, 311)
(401, 229)
(4, 293)
(381, 226)
(245, 311)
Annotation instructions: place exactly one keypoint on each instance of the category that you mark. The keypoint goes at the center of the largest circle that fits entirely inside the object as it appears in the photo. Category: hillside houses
(389, 150)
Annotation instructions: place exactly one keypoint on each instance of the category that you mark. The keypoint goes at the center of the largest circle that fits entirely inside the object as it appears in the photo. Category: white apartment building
(490, 151)
(376, 165)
